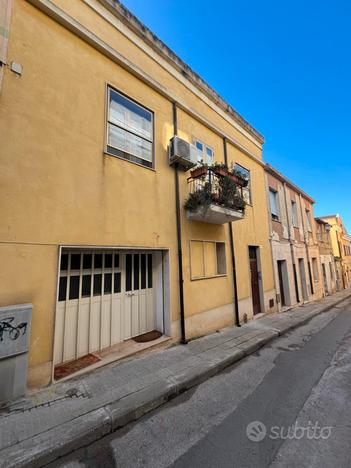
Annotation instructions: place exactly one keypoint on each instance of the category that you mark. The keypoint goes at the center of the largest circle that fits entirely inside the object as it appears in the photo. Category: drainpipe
(5, 20)
(232, 252)
(183, 339)
(306, 247)
(341, 261)
(291, 245)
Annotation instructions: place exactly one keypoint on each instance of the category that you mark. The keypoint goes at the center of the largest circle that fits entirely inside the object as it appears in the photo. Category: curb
(92, 426)
(313, 314)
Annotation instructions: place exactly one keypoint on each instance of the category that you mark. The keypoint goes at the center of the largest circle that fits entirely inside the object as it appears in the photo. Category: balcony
(215, 196)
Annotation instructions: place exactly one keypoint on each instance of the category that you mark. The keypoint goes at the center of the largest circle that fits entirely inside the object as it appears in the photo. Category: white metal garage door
(104, 297)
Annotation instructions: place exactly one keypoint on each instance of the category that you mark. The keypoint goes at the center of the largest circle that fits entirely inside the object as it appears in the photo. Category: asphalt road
(288, 405)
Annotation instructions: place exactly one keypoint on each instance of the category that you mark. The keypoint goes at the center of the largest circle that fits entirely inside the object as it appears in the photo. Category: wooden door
(326, 289)
(281, 283)
(255, 285)
(303, 279)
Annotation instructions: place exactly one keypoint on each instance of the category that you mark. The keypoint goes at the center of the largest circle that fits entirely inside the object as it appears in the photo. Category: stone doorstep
(89, 427)
(118, 353)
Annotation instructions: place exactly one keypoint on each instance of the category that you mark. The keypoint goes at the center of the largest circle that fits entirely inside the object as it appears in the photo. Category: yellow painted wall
(59, 188)
(339, 238)
(335, 232)
(254, 230)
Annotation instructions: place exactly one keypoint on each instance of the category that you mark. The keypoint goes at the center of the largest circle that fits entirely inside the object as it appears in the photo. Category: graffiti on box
(7, 328)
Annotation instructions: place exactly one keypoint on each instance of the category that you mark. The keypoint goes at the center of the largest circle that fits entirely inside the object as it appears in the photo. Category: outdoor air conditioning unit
(182, 153)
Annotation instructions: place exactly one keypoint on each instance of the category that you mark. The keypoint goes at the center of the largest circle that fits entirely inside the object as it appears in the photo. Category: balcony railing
(214, 197)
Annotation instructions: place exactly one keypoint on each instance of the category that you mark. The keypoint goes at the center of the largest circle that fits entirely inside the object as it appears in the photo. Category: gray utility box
(15, 322)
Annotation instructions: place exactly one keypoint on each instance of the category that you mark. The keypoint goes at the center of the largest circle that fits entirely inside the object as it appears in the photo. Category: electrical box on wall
(15, 322)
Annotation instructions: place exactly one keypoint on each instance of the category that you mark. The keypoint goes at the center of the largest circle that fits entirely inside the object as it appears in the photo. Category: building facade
(341, 245)
(294, 242)
(94, 232)
(326, 256)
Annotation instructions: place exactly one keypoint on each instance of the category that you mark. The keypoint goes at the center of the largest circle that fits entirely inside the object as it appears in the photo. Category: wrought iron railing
(220, 189)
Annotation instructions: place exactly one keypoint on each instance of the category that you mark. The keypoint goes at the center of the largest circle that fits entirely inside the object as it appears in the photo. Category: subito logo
(256, 431)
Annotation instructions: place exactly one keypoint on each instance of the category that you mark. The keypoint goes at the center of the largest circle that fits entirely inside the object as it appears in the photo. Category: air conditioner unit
(182, 153)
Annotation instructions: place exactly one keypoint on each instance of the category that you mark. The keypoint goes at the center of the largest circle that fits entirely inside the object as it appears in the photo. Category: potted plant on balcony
(229, 197)
(199, 171)
(220, 169)
(238, 177)
(226, 195)
(199, 198)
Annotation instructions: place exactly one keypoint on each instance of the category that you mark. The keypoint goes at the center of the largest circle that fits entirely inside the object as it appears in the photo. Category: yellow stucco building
(94, 232)
(341, 244)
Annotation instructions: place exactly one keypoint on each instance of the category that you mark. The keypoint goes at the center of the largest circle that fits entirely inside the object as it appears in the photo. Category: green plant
(239, 177)
(201, 197)
(238, 174)
(229, 195)
(217, 165)
(224, 194)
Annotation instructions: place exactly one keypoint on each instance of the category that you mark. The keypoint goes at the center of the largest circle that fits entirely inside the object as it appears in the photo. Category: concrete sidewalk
(51, 423)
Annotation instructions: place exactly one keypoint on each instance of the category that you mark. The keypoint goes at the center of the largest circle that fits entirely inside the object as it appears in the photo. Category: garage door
(104, 297)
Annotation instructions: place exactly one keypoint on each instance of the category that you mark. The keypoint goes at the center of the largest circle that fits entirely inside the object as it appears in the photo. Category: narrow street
(300, 381)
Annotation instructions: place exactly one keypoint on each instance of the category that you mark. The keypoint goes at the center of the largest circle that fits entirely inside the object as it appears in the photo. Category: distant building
(341, 243)
(326, 256)
(294, 243)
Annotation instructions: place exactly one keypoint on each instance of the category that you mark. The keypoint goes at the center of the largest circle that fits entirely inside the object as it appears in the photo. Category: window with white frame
(246, 175)
(204, 152)
(295, 219)
(308, 218)
(130, 131)
(273, 201)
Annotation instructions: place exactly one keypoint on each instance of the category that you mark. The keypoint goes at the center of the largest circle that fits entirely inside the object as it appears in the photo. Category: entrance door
(104, 297)
(325, 279)
(281, 282)
(303, 279)
(255, 285)
(139, 298)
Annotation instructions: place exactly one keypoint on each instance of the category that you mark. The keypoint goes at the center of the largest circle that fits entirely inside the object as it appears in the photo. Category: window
(308, 218)
(273, 200)
(315, 269)
(204, 152)
(295, 220)
(129, 130)
(246, 190)
(220, 254)
(207, 259)
(88, 273)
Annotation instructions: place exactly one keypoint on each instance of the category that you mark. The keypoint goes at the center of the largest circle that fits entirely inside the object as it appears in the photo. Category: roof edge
(125, 15)
(270, 169)
(330, 216)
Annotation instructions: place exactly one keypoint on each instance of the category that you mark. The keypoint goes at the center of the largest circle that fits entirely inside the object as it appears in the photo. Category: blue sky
(285, 66)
